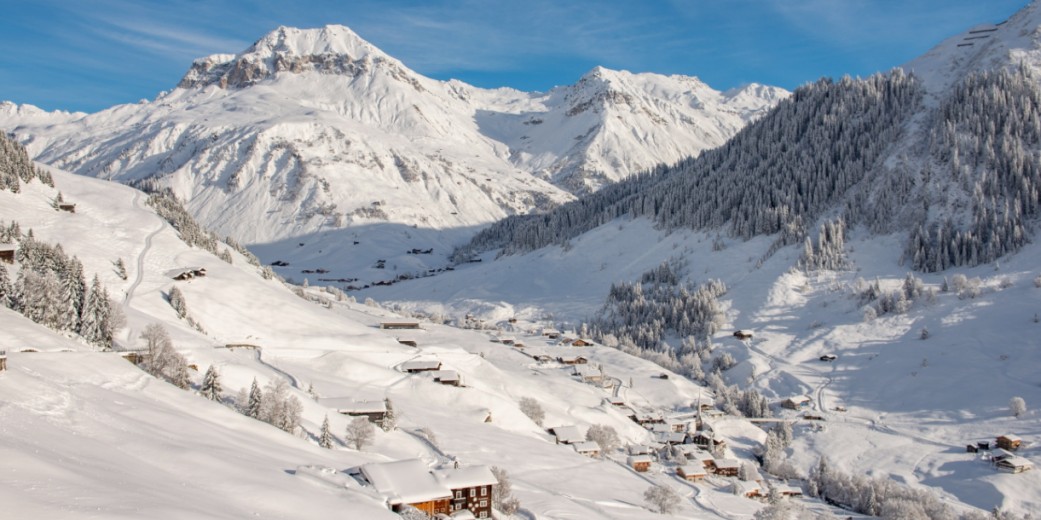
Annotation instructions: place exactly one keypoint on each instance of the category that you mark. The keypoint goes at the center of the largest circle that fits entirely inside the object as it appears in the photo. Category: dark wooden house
(409, 483)
(375, 411)
(7, 253)
(67, 206)
(471, 489)
(743, 334)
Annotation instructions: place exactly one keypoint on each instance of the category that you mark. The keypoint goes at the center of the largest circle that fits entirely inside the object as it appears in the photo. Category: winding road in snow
(140, 274)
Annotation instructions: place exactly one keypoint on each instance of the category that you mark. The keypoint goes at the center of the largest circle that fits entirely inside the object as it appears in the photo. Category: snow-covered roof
(747, 487)
(568, 434)
(1013, 438)
(445, 375)
(405, 481)
(8, 247)
(420, 364)
(699, 455)
(459, 478)
(642, 459)
(349, 406)
(728, 463)
(586, 447)
(463, 514)
(639, 449)
(1001, 453)
(670, 437)
(570, 359)
(799, 399)
(693, 469)
(1016, 462)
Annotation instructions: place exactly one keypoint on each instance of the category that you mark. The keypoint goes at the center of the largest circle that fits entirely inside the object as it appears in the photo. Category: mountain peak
(333, 49)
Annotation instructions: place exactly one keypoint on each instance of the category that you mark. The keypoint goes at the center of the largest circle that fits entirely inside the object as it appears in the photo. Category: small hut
(67, 206)
(640, 463)
(1009, 442)
(7, 253)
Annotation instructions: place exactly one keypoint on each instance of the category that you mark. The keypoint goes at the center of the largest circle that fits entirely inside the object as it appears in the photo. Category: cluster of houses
(456, 493)
(1002, 455)
(434, 367)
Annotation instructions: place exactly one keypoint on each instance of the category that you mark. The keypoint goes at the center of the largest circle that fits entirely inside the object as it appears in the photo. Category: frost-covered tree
(605, 436)
(325, 436)
(161, 360)
(390, 420)
(663, 498)
(1018, 406)
(530, 407)
(95, 326)
(5, 287)
(360, 433)
(176, 299)
(211, 385)
(502, 494)
(254, 406)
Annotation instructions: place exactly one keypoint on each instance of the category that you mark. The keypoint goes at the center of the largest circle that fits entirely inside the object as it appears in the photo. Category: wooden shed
(374, 411)
(1014, 465)
(67, 206)
(640, 463)
(587, 448)
(7, 252)
(692, 472)
(133, 357)
(796, 403)
(410, 342)
(418, 365)
(743, 334)
(572, 360)
(1009, 442)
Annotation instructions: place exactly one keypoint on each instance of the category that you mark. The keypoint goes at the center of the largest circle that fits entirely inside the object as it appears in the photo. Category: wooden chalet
(704, 458)
(472, 489)
(418, 365)
(646, 418)
(410, 342)
(7, 252)
(797, 402)
(641, 463)
(1014, 465)
(375, 411)
(447, 377)
(670, 438)
(573, 360)
(692, 472)
(409, 483)
(788, 491)
(507, 340)
(639, 449)
(743, 334)
(1009, 442)
(67, 206)
(588, 374)
(581, 343)
(542, 358)
(747, 489)
(727, 467)
(587, 448)
(187, 273)
(706, 439)
(399, 325)
(567, 434)
(551, 333)
(3, 360)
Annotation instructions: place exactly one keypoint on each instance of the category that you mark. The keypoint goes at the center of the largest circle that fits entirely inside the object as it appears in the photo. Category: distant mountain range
(312, 130)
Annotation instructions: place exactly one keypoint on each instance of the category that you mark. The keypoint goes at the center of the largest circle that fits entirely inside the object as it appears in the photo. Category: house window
(484, 492)
(473, 492)
(484, 514)
(459, 494)
(484, 503)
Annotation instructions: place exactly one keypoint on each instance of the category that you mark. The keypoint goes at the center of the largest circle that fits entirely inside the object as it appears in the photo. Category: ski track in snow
(140, 274)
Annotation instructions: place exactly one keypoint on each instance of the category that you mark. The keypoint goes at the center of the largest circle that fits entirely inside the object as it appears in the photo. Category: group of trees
(273, 404)
(878, 302)
(162, 361)
(884, 497)
(51, 290)
(828, 252)
(16, 167)
(643, 314)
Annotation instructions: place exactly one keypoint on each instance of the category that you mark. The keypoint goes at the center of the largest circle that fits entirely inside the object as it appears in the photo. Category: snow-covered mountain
(315, 130)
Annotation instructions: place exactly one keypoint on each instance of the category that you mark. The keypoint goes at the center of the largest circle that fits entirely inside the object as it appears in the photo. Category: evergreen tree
(211, 385)
(256, 400)
(176, 299)
(325, 437)
(5, 287)
(95, 326)
(121, 269)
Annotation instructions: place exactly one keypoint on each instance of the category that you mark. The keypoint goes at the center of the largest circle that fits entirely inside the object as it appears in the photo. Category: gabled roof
(728, 464)
(568, 434)
(586, 447)
(8, 247)
(1011, 437)
(693, 469)
(419, 364)
(638, 459)
(459, 478)
(405, 481)
(445, 375)
(1015, 462)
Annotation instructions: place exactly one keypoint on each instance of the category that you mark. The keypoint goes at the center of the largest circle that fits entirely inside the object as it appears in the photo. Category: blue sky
(91, 54)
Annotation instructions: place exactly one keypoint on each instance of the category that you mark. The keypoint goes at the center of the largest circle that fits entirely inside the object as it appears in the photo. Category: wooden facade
(1009, 442)
(133, 357)
(476, 499)
(7, 253)
(66, 206)
(743, 334)
(692, 473)
(440, 506)
(410, 342)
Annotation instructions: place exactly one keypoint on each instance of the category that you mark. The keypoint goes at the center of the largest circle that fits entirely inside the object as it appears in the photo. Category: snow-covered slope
(85, 434)
(313, 130)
